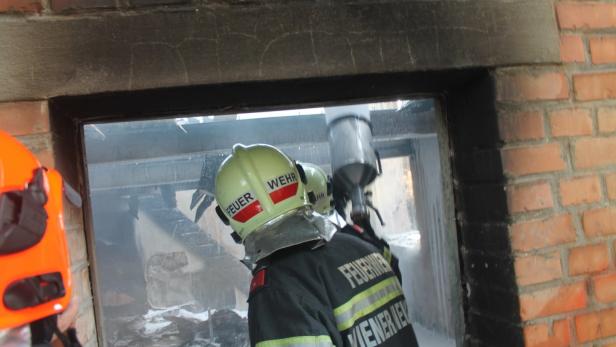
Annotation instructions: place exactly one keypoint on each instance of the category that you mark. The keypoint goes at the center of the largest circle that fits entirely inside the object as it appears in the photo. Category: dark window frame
(70, 113)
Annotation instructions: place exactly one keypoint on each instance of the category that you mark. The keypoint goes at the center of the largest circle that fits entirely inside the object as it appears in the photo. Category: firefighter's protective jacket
(380, 244)
(343, 293)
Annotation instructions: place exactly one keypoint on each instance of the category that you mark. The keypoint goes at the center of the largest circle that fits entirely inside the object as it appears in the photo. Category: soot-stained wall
(85, 52)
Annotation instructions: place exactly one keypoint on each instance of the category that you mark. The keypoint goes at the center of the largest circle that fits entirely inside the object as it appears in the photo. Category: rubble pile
(184, 326)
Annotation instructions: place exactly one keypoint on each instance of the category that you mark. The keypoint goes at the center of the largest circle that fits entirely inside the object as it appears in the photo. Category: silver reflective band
(298, 341)
(290, 229)
(367, 302)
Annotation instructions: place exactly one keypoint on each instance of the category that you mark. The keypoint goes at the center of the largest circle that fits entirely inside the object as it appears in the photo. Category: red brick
(586, 15)
(603, 50)
(587, 259)
(522, 126)
(595, 152)
(605, 288)
(606, 119)
(571, 122)
(24, 118)
(533, 159)
(600, 221)
(46, 158)
(541, 233)
(529, 197)
(538, 268)
(526, 86)
(538, 335)
(41, 146)
(610, 181)
(572, 49)
(596, 325)
(20, 6)
(562, 334)
(595, 86)
(580, 190)
(553, 300)
(37, 142)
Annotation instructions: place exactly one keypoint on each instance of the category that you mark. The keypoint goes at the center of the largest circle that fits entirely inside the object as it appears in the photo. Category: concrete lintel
(62, 55)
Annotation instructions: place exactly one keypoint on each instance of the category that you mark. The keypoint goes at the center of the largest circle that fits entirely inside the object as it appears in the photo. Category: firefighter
(320, 189)
(35, 280)
(309, 288)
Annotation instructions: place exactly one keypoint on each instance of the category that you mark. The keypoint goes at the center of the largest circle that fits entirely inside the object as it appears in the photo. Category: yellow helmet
(261, 194)
(256, 184)
(318, 188)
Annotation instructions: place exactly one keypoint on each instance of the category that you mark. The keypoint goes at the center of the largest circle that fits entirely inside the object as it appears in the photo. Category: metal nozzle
(354, 160)
(359, 209)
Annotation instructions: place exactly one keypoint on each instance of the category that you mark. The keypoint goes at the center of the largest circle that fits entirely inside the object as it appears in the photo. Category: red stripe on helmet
(284, 193)
(248, 212)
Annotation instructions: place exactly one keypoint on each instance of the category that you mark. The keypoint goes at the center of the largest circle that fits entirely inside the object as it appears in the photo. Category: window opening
(165, 280)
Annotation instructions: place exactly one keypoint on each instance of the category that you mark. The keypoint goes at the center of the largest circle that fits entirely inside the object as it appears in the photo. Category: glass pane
(165, 280)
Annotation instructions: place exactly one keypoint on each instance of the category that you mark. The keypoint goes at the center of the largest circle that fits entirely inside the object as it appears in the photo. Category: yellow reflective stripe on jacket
(387, 254)
(298, 341)
(367, 302)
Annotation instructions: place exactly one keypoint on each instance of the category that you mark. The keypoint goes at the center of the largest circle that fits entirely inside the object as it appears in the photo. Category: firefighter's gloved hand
(66, 323)
(71, 333)
(67, 318)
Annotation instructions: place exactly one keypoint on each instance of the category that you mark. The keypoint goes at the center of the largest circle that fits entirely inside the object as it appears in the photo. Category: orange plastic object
(17, 166)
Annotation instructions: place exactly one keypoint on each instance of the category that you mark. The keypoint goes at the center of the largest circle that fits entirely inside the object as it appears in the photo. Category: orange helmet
(35, 277)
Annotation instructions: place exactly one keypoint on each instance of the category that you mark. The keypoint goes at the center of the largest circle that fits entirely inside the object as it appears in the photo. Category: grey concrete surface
(49, 56)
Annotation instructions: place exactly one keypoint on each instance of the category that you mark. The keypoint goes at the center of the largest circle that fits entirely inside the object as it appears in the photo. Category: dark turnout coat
(343, 293)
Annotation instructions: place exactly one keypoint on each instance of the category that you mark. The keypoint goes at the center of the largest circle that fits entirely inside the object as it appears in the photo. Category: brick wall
(29, 122)
(558, 124)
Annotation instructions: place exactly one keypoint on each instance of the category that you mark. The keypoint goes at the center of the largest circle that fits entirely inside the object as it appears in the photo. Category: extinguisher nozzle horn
(359, 210)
